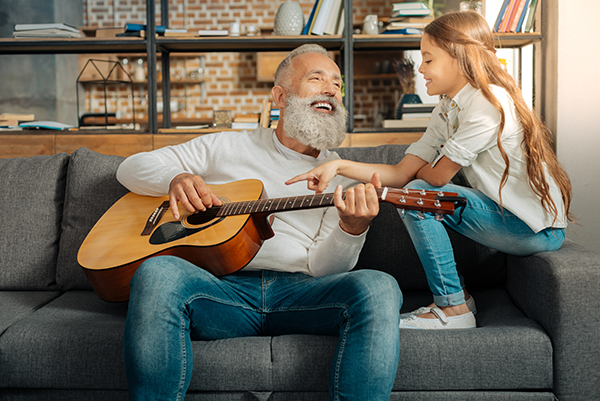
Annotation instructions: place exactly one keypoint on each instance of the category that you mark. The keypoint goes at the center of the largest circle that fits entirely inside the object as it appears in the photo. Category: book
(409, 116)
(46, 125)
(403, 31)
(55, 25)
(530, 16)
(500, 15)
(507, 15)
(46, 33)
(321, 18)
(17, 116)
(411, 5)
(213, 32)
(242, 126)
(411, 123)
(420, 20)
(8, 123)
(310, 20)
(312, 23)
(418, 107)
(130, 27)
(517, 16)
(342, 23)
(333, 19)
(424, 12)
(519, 26)
(131, 34)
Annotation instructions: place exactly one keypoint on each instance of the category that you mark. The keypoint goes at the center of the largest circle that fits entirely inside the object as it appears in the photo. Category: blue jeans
(484, 222)
(173, 302)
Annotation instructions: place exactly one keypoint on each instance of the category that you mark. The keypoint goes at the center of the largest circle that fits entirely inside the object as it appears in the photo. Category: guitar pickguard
(174, 230)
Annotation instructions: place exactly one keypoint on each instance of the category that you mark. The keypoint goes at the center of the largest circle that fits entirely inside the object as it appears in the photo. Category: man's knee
(378, 288)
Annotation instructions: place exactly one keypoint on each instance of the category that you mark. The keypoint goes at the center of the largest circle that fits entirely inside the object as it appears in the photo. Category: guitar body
(116, 245)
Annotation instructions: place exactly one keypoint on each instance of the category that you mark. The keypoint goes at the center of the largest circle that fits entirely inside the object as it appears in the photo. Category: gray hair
(283, 70)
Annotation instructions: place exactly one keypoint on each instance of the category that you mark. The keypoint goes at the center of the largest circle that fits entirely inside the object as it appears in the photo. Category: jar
(472, 6)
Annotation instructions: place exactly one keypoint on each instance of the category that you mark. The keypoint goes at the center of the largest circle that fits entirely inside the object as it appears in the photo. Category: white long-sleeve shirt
(465, 129)
(305, 241)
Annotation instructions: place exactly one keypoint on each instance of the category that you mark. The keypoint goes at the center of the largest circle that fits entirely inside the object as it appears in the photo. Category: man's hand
(360, 206)
(192, 192)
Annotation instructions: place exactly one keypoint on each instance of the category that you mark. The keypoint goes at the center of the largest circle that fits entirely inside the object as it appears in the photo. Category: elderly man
(299, 282)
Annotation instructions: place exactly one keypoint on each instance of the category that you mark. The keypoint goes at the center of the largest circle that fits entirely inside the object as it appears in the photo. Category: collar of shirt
(293, 155)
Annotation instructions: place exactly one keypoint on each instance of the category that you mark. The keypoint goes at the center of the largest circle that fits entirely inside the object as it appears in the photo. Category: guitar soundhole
(200, 218)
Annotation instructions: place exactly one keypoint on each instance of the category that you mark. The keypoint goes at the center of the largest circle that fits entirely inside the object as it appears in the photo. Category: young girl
(483, 136)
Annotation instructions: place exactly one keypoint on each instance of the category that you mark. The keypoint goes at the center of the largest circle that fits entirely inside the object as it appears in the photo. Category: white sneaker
(465, 321)
(470, 304)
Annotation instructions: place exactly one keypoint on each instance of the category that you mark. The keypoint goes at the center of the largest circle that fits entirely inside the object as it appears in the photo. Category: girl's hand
(318, 178)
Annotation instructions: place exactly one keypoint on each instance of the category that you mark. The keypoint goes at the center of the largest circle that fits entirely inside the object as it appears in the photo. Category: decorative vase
(289, 19)
(404, 99)
(472, 6)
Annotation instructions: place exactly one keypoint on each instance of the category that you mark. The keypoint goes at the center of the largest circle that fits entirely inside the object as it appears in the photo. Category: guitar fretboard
(272, 205)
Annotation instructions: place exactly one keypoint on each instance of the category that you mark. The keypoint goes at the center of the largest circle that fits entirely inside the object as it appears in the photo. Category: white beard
(311, 128)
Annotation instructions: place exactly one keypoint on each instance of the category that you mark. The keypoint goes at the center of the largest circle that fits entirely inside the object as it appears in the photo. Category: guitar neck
(273, 205)
(426, 201)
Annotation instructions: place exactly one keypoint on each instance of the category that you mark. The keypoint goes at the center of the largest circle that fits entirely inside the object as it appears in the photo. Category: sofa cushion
(91, 189)
(389, 248)
(32, 198)
(19, 304)
(75, 341)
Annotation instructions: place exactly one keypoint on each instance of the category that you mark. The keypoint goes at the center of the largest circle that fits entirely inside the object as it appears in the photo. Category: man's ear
(279, 96)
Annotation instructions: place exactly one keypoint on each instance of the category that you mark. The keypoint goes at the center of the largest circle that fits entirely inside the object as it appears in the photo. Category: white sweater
(305, 241)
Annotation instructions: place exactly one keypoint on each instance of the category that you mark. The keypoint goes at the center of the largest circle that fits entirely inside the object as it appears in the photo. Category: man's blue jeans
(173, 302)
(484, 222)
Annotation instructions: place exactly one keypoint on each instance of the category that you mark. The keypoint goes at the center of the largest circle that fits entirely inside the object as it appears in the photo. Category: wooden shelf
(246, 44)
(72, 46)
(413, 42)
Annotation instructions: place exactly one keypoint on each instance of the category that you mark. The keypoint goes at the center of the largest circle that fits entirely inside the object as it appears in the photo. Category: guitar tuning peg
(422, 192)
(405, 191)
(439, 217)
(421, 215)
(440, 193)
(437, 203)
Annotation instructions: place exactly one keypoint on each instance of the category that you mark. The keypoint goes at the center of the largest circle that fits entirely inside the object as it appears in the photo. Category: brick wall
(230, 82)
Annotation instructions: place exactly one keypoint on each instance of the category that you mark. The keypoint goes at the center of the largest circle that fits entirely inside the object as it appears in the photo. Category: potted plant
(472, 5)
(405, 70)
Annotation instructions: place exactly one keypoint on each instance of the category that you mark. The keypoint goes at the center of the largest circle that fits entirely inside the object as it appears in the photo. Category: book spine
(531, 16)
(507, 15)
(311, 18)
(322, 16)
(525, 9)
(501, 15)
(517, 16)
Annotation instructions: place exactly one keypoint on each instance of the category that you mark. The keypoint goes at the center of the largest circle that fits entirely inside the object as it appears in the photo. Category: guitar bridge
(155, 218)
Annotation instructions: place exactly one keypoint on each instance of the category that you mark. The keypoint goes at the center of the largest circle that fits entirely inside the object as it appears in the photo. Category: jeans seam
(338, 362)
(183, 354)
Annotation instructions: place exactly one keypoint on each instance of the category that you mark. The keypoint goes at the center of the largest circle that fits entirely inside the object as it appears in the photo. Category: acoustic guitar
(222, 240)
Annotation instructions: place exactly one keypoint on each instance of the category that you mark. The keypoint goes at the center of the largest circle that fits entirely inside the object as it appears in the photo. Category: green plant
(437, 6)
(405, 70)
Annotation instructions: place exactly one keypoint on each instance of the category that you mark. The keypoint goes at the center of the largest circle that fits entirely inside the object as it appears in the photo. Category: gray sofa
(538, 335)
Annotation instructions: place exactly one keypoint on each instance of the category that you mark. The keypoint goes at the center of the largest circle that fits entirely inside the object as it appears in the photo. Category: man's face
(314, 114)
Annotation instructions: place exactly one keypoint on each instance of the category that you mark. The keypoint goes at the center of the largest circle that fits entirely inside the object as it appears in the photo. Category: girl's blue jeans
(484, 222)
(173, 302)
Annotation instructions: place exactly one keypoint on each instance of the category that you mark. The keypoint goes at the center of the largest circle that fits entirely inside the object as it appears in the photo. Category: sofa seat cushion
(507, 351)
(32, 200)
(92, 188)
(73, 342)
(76, 342)
(17, 305)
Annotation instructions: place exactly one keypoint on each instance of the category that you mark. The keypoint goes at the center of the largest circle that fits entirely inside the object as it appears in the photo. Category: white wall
(578, 113)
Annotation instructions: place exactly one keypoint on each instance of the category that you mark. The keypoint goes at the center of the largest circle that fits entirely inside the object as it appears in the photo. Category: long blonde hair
(467, 37)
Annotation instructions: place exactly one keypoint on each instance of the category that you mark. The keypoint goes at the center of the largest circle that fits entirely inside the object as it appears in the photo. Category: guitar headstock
(437, 202)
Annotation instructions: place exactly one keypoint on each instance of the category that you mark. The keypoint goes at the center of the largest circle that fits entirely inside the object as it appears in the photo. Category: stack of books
(246, 121)
(51, 30)
(414, 115)
(516, 16)
(408, 19)
(12, 120)
(326, 18)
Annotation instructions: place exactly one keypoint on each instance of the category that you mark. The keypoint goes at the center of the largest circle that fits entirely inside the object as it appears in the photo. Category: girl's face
(440, 70)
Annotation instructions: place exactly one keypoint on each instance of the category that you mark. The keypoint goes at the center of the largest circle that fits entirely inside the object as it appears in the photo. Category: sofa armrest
(561, 291)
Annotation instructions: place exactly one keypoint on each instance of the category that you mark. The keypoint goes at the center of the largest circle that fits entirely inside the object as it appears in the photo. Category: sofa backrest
(91, 189)
(31, 204)
(389, 248)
